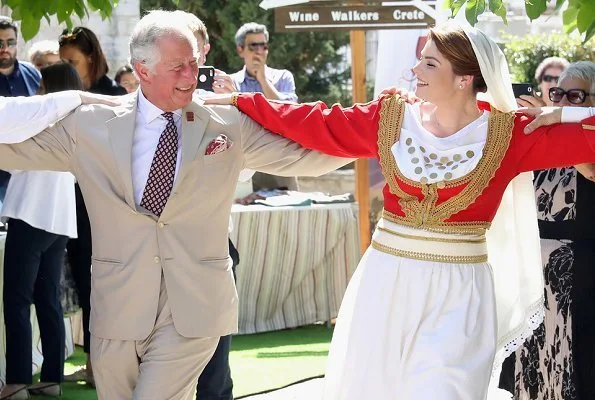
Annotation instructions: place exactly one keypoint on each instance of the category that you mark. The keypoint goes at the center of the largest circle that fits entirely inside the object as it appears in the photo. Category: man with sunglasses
(252, 44)
(17, 78)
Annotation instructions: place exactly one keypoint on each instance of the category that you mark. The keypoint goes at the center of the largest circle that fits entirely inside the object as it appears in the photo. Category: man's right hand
(94, 98)
(223, 83)
(543, 116)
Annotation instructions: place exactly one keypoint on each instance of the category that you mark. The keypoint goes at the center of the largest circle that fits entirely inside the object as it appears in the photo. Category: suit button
(161, 224)
(157, 260)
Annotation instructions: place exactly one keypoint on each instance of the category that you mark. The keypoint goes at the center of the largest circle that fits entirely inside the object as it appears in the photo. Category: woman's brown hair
(59, 77)
(86, 41)
(452, 42)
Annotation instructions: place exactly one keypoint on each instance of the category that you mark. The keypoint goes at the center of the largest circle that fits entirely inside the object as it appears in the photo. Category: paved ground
(309, 390)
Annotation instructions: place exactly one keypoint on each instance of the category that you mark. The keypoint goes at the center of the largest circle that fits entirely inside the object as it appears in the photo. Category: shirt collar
(243, 75)
(150, 112)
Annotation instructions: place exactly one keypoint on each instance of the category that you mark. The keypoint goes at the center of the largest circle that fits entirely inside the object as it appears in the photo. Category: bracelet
(234, 99)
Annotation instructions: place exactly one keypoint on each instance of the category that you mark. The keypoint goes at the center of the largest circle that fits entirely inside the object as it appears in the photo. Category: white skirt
(413, 329)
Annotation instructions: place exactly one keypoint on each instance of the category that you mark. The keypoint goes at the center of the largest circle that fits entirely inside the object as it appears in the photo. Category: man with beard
(17, 78)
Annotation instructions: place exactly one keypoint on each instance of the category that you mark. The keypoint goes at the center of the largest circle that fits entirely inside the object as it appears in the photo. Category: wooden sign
(356, 17)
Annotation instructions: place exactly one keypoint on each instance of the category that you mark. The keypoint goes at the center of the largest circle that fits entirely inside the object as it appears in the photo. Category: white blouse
(426, 158)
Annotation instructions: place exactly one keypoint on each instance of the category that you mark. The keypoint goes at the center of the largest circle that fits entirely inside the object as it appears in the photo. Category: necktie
(163, 169)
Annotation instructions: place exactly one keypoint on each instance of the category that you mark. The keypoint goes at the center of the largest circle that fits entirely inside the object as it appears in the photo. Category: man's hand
(406, 95)
(223, 83)
(258, 68)
(223, 99)
(543, 116)
(530, 101)
(93, 98)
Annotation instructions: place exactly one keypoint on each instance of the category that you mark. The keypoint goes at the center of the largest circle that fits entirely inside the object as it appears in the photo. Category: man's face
(172, 82)
(254, 51)
(8, 48)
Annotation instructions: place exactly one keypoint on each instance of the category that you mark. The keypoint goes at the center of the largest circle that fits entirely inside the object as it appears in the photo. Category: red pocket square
(217, 145)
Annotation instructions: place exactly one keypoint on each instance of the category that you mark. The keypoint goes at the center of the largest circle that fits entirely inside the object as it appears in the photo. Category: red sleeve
(554, 146)
(344, 132)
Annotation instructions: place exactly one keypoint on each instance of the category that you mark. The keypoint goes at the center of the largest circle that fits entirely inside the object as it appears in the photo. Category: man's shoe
(80, 375)
(18, 393)
(46, 389)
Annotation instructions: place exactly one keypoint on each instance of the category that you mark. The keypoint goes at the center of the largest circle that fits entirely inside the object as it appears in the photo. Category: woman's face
(550, 74)
(129, 81)
(82, 63)
(436, 81)
(570, 83)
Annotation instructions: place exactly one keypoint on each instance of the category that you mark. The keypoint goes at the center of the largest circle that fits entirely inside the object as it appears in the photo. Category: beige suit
(187, 245)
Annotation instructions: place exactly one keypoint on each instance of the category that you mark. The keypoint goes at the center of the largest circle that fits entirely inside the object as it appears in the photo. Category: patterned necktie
(163, 169)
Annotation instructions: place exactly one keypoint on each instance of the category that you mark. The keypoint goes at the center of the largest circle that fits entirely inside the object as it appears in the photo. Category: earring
(461, 86)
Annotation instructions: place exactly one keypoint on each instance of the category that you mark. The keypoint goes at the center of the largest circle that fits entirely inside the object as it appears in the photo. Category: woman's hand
(530, 101)
(543, 116)
(404, 94)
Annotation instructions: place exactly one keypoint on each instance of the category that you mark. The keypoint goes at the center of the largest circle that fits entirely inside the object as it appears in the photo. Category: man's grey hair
(154, 26)
(195, 24)
(250, 27)
(43, 47)
(584, 70)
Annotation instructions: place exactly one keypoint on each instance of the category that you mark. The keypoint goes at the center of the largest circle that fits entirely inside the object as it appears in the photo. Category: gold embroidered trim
(464, 228)
(589, 127)
(431, 239)
(430, 257)
(425, 213)
(391, 117)
(500, 126)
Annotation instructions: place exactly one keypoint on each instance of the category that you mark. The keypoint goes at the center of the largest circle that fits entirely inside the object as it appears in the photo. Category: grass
(258, 362)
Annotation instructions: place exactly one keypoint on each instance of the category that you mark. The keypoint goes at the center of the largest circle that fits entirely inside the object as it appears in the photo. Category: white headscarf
(513, 239)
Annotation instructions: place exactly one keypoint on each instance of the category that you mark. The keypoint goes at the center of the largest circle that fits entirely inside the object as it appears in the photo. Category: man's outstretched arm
(24, 117)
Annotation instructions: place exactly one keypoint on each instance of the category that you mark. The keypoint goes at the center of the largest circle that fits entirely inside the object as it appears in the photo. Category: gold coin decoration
(411, 150)
(415, 160)
(433, 175)
(424, 180)
(408, 141)
(433, 156)
(448, 176)
(418, 170)
(457, 157)
(469, 154)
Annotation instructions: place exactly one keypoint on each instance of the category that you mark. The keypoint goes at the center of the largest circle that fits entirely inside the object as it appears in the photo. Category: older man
(158, 175)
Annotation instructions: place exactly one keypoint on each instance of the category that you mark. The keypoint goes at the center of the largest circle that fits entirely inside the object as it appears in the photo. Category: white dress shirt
(148, 128)
(43, 199)
(577, 114)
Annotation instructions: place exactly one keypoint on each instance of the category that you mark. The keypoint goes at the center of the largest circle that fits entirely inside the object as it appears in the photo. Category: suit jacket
(188, 244)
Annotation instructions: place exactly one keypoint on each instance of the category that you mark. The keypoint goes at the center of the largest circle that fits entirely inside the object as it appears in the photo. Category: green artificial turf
(258, 362)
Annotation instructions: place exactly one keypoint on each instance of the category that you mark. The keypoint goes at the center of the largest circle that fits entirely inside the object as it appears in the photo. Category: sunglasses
(9, 44)
(550, 78)
(574, 96)
(257, 45)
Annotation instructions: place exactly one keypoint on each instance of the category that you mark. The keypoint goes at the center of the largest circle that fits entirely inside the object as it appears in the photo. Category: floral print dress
(557, 362)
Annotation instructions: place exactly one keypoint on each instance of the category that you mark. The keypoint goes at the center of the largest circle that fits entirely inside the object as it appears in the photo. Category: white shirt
(148, 128)
(43, 199)
(577, 114)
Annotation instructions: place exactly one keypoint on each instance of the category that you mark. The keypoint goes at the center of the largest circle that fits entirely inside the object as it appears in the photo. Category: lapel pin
(189, 116)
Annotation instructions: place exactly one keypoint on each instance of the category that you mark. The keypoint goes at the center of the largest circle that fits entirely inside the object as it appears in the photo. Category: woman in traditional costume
(425, 315)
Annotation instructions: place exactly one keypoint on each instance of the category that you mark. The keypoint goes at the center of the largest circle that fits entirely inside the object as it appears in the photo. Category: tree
(30, 12)
(579, 15)
(311, 56)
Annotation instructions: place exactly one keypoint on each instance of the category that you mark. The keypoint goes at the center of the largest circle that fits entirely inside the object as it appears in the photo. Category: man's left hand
(223, 83)
(543, 116)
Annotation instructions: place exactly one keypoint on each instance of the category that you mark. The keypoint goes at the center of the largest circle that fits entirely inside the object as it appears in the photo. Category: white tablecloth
(70, 322)
(295, 263)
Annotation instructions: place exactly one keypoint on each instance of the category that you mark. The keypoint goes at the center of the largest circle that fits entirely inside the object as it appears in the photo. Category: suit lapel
(194, 122)
(121, 132)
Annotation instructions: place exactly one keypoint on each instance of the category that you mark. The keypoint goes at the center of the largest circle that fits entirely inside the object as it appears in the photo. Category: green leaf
(569, 17)
(455, 6)
(498, 8)
(590, 32)
(535, 8)
(586, 16)
(474, 9)
(29, 26)
(80, 9)
(559, 5)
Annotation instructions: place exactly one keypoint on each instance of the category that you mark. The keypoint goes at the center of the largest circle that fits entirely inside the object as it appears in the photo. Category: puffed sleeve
(344, 132)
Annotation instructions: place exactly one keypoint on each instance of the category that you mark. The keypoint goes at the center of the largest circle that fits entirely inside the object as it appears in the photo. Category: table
(71, 322)
(295, 263)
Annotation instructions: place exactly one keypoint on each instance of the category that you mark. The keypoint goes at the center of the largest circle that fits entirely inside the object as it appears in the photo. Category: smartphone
(520, 89)
(206, 77)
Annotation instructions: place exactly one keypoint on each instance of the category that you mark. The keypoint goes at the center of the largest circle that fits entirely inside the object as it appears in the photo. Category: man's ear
(206, 49)
(143, 72)
(240, 50)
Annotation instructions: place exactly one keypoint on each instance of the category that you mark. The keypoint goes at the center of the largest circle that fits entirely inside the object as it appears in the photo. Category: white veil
(513, 239)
